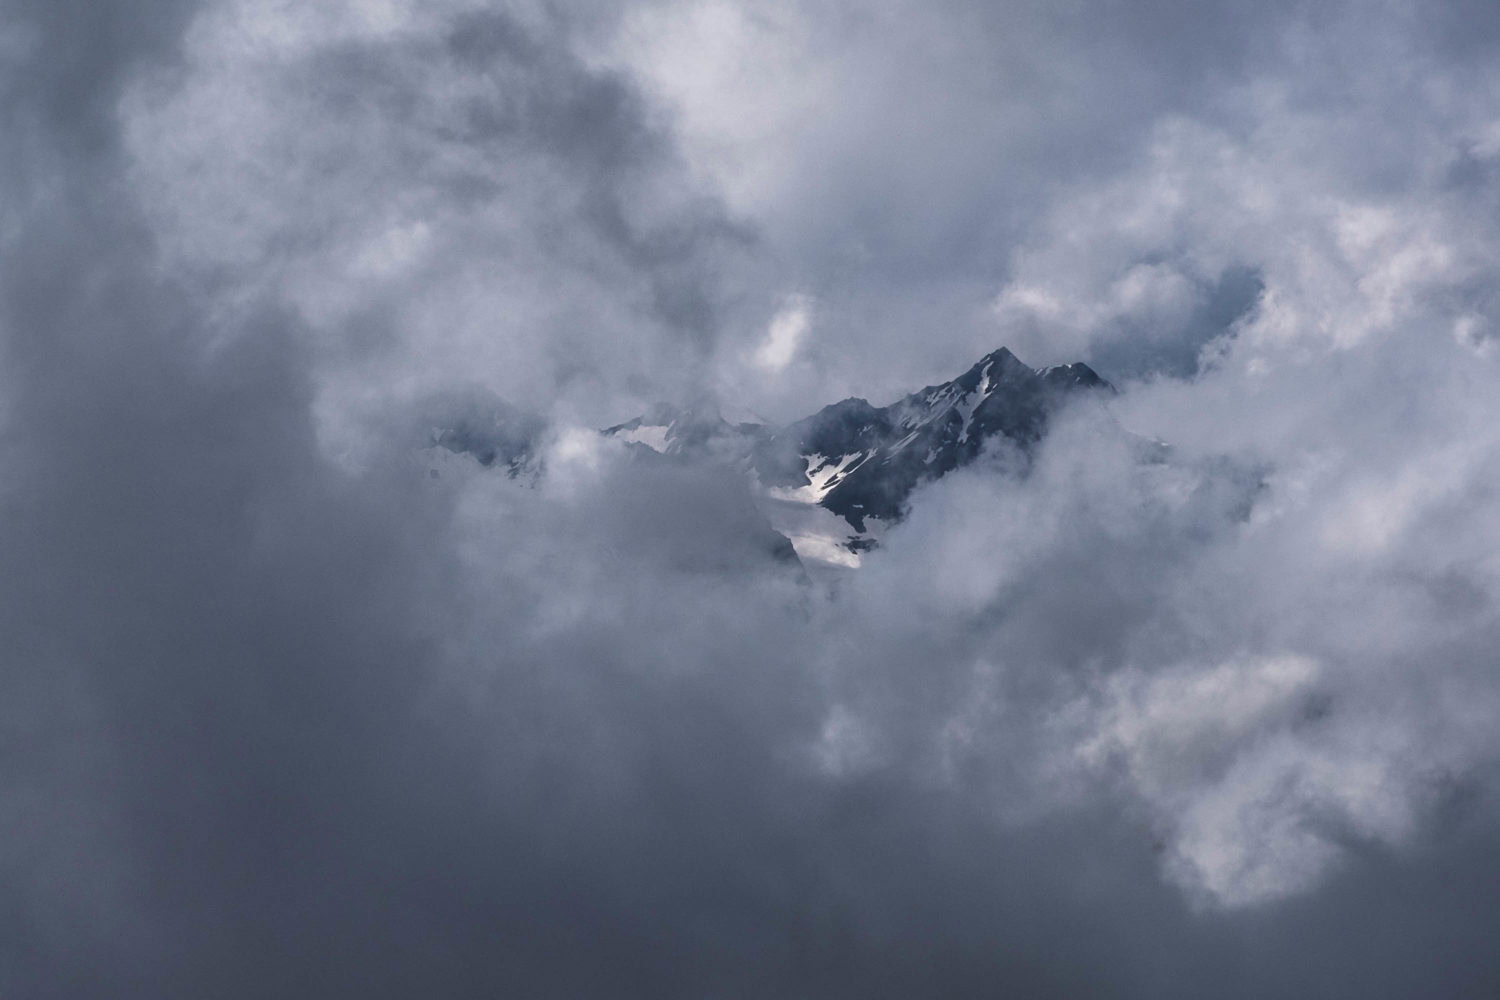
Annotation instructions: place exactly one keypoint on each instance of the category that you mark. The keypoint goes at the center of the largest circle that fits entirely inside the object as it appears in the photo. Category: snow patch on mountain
(823, 475)
(653, 436)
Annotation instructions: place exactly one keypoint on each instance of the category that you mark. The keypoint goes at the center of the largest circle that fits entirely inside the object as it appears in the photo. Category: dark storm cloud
(69, 60)
(285, 713)
(441, 192)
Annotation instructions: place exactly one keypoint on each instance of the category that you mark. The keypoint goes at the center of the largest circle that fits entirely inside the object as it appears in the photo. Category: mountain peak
(851, 463)
(998, 366)
(1077, 375)
(1001, 355)
(861, 461)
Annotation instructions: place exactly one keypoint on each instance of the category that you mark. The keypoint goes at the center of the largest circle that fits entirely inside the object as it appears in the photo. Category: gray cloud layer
(284, 713)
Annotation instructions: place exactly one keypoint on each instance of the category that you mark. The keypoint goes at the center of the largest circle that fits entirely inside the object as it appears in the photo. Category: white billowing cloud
(1268, 651)
(1343, 257)
(1267, 646)
(1276, 644)
(1258, 795)
(440, 194)
(742, 80)
(784, 335)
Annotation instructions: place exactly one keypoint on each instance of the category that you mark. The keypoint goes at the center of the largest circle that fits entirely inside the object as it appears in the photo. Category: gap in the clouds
(1148, 346)
(831, 483)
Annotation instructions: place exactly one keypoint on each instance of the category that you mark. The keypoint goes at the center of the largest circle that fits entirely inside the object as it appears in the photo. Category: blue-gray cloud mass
(1199, 699)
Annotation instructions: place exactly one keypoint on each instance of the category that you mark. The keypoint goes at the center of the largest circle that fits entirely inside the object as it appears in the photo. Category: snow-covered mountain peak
(832, 480)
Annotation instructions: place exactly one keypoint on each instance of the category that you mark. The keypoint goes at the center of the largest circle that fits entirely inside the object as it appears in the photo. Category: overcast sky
(290, 707)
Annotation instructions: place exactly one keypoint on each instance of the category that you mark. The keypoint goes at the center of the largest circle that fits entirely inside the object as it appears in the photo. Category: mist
(1197, 698)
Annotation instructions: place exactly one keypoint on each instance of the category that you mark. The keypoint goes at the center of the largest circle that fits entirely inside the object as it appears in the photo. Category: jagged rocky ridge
(862, 461)
(831, 480)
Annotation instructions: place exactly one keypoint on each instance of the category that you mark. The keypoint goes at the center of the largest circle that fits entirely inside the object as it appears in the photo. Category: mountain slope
(860, 461)
(832, 480)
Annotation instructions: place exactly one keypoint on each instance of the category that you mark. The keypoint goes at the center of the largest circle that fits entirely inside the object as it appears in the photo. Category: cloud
(784, 335)
(291, 704)
(445, 195)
